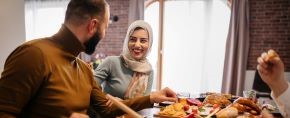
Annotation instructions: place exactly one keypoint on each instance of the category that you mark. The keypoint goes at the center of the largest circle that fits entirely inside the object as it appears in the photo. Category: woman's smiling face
(138, 43)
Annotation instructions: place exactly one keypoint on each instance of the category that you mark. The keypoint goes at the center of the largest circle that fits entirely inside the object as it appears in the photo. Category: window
(151, 16)
(43, 18)
(194, 40)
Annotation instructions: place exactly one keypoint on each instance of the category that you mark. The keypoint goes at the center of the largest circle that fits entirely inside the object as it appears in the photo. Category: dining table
(152, 113)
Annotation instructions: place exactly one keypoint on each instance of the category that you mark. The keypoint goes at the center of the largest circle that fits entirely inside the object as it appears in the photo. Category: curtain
(237, 47)
(37, 23)
(195, 33)
(136, 10)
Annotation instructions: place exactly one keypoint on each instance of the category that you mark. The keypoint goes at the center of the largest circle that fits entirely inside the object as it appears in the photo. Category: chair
(260, 86)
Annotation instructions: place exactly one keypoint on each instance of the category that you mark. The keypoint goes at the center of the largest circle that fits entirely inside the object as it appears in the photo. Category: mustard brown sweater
(44, 78)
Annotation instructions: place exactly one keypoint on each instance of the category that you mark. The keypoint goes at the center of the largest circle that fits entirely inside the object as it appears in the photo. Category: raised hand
(271, 70)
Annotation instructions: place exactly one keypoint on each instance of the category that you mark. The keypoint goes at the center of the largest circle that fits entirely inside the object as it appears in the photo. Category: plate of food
(230, 97)
(213, 105)
(186, 108)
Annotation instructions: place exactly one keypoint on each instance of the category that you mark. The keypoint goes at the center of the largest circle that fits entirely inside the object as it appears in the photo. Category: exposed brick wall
(269, 29)
(113, 42)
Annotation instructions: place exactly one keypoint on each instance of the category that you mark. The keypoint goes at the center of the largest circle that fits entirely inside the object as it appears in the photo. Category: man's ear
(93, 24)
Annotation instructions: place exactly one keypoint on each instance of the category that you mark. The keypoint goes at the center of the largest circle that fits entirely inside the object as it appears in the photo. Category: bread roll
(229, 112)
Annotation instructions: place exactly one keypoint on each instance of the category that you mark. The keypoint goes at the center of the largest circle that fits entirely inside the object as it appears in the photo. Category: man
(271, 69)
(44, 78)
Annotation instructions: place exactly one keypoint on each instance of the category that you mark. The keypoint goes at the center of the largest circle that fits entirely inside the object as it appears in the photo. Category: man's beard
(91, 44)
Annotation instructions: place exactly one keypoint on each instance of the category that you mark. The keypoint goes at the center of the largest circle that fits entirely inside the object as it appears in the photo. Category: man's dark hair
(79, 11)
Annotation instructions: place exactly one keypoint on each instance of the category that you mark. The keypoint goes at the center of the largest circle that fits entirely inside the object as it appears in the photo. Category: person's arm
(20, 79)
(99, 100)
(271, 70)
(102, 72)
(78, 115)
(282, 101)
(149, 84)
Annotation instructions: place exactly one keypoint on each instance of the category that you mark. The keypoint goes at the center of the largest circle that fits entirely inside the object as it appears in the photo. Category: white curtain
(43, 18)
(194, 45)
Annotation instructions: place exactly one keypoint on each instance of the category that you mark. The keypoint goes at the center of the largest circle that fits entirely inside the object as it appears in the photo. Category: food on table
(271, 54)
(193, 101)
(248, 115)
(216, 99)
(215, 106)
(229, 96)
(185, 110)
(239, 107)
(229, 112)
(232, 112)
(248, 105)
(182, 101)
(268, 107)
(194, 108)
(175, 110)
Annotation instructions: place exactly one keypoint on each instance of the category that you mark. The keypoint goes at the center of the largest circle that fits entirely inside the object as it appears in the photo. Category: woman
(130, 74)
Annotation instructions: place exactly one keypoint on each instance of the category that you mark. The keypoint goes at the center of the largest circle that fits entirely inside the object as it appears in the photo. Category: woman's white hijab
(142, 67)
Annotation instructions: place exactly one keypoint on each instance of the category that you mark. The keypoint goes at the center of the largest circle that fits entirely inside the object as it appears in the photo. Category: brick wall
(269, 28)
(113, 42)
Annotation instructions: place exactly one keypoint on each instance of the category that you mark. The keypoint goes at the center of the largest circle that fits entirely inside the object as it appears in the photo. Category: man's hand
(78, 115)
(271, 70)
(165, 94)
(109, 103)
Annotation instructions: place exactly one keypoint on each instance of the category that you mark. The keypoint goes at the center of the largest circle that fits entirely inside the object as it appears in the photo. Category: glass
(182, 95)
(250, 94)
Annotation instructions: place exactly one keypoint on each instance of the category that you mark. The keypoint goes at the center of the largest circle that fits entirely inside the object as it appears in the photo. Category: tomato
(215, 106)
(191, 115)
(211, 111)
(199, 104)
(194, 111)
(185, 107)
